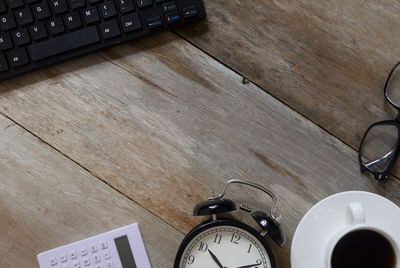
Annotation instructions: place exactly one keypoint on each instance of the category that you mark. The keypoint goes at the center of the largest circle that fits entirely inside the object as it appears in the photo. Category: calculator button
(96, 258)
(107, 255)
(83, 252)
(86, 262)
(76, 264)
(109, 264)
(93, 248)
(103, 245)
(53, 261)
(73, 254)
(63, 258)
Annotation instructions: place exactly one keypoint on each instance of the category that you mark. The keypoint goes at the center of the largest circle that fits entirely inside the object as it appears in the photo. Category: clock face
(225, 246)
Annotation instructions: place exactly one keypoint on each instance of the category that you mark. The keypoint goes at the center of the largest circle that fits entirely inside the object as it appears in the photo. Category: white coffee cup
(337, 216)
(356, 221)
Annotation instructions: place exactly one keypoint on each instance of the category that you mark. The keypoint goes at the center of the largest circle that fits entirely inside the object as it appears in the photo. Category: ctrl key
(3, 64)
(18, 58)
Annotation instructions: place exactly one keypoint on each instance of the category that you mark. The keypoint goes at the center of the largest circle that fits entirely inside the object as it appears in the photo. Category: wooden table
(274, 91)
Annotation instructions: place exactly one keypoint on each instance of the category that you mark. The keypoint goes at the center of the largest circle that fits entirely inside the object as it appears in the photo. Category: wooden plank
(165, 124)
(46, 201)
(327, 60)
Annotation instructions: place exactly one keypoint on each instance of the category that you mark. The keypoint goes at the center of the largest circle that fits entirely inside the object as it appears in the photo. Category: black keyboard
(37, 33)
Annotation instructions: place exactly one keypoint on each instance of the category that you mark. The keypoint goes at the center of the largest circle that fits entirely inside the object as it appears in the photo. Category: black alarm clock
(229, 243)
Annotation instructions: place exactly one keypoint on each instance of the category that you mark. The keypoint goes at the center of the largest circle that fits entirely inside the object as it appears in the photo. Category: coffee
(363, 249)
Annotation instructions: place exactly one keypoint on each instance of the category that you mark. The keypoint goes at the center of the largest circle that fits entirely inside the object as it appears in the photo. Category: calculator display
(125, 252)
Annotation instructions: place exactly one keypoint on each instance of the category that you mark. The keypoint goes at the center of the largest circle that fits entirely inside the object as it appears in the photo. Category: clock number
(217, 238)
(249, 248)
(235, 238)
(203, 247)
(259, 261)
(191, 259)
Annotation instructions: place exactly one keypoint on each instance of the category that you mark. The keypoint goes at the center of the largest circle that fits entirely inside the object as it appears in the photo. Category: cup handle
(355, 214)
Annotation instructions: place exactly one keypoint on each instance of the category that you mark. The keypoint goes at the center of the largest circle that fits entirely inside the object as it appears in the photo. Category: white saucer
(327, 217)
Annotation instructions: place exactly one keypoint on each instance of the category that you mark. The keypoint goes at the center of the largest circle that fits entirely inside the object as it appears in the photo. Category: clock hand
(249, 266)
(216, 259)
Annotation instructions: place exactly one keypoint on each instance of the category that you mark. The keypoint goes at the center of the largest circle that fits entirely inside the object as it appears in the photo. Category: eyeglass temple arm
(255, 185)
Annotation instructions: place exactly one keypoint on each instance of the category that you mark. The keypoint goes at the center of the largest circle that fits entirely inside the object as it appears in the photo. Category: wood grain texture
(165, 124)
(47, 201)
(327, 60)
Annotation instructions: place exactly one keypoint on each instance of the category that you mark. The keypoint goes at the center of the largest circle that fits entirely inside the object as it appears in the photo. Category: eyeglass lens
(379, 146)
(393, 87)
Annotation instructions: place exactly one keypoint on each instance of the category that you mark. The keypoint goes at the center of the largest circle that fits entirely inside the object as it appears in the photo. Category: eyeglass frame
(384, 175)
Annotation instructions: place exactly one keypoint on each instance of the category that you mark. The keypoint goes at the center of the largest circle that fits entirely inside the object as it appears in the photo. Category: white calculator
(119, 248)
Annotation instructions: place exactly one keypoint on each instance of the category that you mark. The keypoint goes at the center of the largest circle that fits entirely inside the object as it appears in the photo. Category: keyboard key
(20, 37)
(98, 266)
(58, 6)
(125, 6)
(31, 1)
(38, 31)
(18, 58)
(3, 64)
(64, 43)
(73, 21)
(64, 265)
(144, 3)
(93, 1)
(172, 17)
(3, 7)
(109, 30)
(90, 15)
(5, 41)
(24, 16)
(154, 22)
(15, 3)
(108, 9)
(131, 23)
(169, 7)
(76, 264)
(7, 22)
(75, 4)
(189, 12)
(56, 26)
(41, 11)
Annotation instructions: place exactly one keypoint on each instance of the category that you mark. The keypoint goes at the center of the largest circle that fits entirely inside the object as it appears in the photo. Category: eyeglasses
(380, 145)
